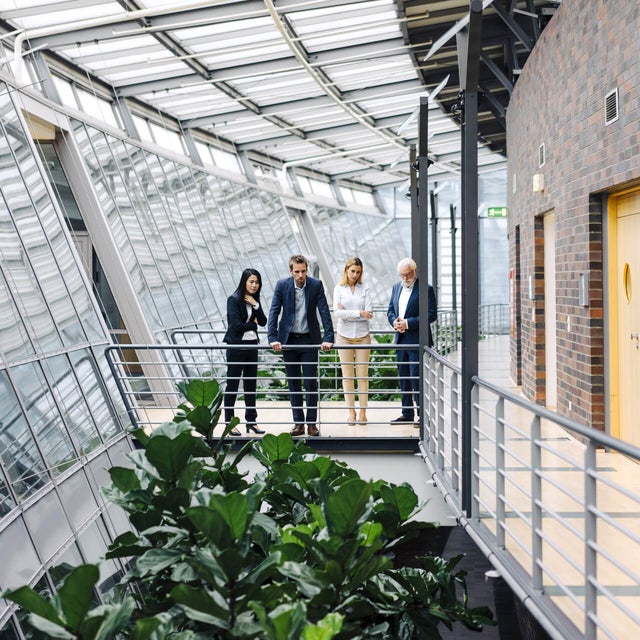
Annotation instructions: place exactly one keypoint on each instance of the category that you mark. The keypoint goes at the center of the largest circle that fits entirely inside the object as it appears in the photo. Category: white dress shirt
(347, 306)
(403, 301)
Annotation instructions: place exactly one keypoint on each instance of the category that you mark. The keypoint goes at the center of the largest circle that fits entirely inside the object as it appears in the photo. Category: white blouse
(347, 307)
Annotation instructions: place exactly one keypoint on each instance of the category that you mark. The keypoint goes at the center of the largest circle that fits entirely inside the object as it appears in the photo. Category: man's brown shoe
(298, 430)
(313, 430)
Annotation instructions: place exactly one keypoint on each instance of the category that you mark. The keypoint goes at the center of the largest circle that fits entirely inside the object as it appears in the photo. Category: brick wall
(589, 48)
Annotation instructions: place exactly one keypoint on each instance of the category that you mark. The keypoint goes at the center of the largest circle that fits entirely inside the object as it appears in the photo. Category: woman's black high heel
(234, 432)
(254, 428)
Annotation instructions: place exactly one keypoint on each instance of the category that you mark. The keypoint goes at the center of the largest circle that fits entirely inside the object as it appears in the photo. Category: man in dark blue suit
(403, 315)
(300, 298)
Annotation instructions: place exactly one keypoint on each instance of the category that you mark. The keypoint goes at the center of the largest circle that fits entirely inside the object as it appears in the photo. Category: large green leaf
(277, 447)
(346, 506)
(200, 392)
(150, 628)
(304, 575)
(198, 599)
(124, 478)
(170, 430)
(76, 594)
(143, 520)
(173, 501)
(200, 418)
(34, 603)
(170, 456)
(324, 465)
(333, 572)
(287, 621)
(50, 628)
(233, 563)
(325, 629)
(156, 560)
(403, 497)
(370, 533)
(140, 435)
(259, 574)
(212, 525)
(368, 568)
(139, 459)
(301, 472)
(112, 617)
(234, 510)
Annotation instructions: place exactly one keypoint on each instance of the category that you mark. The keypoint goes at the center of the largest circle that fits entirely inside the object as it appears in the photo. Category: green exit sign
(497, 212)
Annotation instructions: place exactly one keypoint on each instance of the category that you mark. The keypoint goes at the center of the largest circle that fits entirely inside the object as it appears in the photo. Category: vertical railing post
(434, 425)
(536, 510)
(455, 429)
(473, 470)
(590, 540)
(442, 425)
(500, 474)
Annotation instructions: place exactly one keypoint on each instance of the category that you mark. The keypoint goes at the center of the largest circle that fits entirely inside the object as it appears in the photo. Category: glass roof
(299, 80)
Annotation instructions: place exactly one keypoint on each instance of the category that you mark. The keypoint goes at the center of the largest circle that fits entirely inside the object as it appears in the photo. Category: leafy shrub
(303, 550)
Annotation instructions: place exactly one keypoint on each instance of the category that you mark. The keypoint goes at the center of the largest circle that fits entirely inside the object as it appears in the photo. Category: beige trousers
(355, 361)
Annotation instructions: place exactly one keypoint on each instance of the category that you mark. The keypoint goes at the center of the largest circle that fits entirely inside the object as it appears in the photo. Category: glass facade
(184, 235)
(59, 413)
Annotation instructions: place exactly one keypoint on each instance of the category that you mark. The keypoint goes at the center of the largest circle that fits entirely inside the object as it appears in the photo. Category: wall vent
(541, 153)
(611, 107)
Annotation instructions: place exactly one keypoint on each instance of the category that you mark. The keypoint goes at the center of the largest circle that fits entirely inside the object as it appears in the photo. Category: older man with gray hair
(403, 314)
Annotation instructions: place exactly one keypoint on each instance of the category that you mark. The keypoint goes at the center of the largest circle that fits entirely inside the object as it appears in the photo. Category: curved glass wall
(60, 418)
(184, 235)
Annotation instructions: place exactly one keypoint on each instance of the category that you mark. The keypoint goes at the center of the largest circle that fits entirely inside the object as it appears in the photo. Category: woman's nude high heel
(362, 418)
(351, 420)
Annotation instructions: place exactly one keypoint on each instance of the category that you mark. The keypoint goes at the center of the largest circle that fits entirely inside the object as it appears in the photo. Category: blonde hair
(350, 263)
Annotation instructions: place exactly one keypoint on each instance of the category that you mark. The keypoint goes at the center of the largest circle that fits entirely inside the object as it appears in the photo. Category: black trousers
(301, 366)
(241, 364)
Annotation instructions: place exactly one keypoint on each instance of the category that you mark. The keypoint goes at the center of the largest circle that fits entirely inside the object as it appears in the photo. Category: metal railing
(147, 377)
(555, 504)
(493, 319)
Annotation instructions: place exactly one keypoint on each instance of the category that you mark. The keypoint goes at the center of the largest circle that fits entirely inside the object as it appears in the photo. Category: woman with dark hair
(244, 314)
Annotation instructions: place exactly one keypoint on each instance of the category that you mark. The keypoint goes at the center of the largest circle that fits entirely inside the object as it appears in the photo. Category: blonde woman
(352, 308)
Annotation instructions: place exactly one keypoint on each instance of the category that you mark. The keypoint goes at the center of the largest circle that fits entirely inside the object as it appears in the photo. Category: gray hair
(407, 262)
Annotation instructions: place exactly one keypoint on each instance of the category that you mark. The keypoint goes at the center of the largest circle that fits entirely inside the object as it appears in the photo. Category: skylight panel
(361, 75)
(135, 46)
(270, 95)
(49, 14)
(352, 39)
(351, 12)
(141, 74)
(111, 67)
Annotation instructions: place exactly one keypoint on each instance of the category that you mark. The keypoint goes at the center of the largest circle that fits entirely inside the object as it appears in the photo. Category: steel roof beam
(514, 27)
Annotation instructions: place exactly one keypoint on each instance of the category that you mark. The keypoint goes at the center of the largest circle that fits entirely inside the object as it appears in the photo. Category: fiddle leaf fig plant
(304, 549)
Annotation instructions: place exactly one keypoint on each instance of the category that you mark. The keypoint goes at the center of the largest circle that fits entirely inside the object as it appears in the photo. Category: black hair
(242, 287)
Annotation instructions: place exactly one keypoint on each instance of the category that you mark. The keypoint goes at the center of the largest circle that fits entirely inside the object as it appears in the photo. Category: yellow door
(627, 282)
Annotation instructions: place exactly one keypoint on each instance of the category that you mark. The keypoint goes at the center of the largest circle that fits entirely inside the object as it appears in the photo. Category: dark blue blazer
(284, 300)
(239, 321)
(412, 334)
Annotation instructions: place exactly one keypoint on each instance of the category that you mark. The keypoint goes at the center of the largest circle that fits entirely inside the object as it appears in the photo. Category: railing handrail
(599, 437)
(526, 520)
(146, 376)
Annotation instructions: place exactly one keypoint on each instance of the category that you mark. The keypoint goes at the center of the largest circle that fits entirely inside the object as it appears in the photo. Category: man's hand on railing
(276, 346)
(326, 346)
